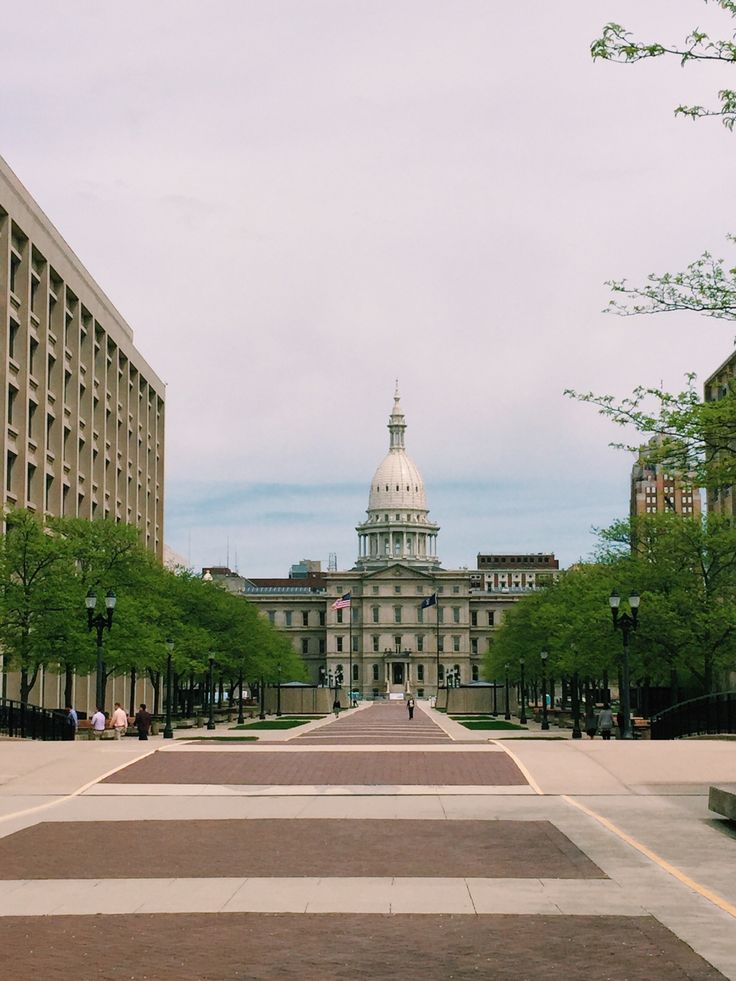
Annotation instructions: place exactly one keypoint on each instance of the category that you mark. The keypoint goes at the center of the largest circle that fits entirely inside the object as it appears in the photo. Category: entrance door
(397, 674)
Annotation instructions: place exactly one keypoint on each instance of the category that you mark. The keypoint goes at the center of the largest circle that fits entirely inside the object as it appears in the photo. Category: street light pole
(262, 693)
(545, 721)
(576, 733)
(278, 690)
(625, 623)
(522, 713)
(168, 730)
(211, 687)
(241, 717)
(507, 713)
(100, 623)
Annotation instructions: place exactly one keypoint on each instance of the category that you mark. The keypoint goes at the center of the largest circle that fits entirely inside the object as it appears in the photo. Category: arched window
(355, 672)
(375, 672)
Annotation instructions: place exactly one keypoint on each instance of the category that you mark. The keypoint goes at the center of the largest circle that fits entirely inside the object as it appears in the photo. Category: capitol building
(397, 621)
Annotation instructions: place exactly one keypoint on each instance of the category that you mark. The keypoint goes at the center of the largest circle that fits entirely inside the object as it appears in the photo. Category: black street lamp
(241, 717)
(168, 730)
(262, 693)
(494, 713)
(211, 688)
(278, 690)
(522, 692)
(625, 623)
(100, 622)
(507, 713)
(545, 721)
(576, 733)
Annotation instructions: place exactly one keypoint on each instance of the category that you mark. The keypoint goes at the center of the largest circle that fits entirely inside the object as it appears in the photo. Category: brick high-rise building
(657, 490)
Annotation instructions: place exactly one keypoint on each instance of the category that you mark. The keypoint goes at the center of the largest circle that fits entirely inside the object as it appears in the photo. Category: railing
(709, 714)
(31, 722)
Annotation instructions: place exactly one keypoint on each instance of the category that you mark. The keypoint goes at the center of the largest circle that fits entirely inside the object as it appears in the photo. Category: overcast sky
(294, 202)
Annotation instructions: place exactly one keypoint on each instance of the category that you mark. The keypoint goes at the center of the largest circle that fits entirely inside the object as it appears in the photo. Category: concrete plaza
(364, 848)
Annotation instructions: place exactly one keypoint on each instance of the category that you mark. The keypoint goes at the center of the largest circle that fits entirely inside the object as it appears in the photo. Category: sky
(296, 202)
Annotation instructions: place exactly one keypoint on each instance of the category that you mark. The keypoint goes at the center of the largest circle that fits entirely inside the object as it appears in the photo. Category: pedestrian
(620, 723)
(605, 721)
(591, 725)
(336, 708)
(143, 720)
(98, 723)
(119, 721)
(72, 723)
(410, 707)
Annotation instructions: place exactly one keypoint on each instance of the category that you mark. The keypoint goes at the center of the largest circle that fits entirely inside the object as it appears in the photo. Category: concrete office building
(390, 639)
(82, 413)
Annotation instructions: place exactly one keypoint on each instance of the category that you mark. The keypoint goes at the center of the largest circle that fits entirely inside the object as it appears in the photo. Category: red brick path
(382, 724)
(354, 947)
(258, 767)
(257, 847)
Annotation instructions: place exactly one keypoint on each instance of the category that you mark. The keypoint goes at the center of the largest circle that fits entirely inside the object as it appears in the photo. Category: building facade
(515, 573)
(720, 384)
(410, 625)
(656, 489)
(82, 413)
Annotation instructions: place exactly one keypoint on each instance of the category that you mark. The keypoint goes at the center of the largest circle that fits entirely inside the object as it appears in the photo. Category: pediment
(399, 571)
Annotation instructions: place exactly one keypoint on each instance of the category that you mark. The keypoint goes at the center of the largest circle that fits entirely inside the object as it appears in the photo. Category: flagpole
(350, 653)
(437, 604)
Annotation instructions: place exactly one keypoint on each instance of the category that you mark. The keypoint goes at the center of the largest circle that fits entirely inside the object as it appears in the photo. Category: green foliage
(46, 571)
(618, 45)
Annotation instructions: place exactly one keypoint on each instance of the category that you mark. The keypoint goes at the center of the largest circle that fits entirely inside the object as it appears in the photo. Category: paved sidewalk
(605, 847)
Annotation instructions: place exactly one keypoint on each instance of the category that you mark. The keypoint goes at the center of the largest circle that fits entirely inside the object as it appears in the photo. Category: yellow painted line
(529, 778)
(666, 866)
(75, 793)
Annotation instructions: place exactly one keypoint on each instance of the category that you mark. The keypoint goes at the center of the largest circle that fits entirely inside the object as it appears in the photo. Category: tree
(617, 44)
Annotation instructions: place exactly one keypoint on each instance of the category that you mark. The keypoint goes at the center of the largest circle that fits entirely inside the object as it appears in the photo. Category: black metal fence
(31, 722)
(699, 716)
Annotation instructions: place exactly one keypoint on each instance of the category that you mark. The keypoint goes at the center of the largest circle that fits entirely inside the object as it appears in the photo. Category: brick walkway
(261, 768)
(384, 723)
(363, 947)
(227, 848)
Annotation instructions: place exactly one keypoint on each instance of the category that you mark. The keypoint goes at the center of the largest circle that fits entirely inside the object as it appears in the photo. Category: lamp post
(494, 713)
(576, 733)
(100, 623)
(522, 692)
(625, 623)
(545, 721)
(507, 713)
(262, 693)
(211, 689)
(241, 717)
(168, 730)
(278, 690)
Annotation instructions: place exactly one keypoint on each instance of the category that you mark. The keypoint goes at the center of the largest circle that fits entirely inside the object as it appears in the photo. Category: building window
(397, 589)
(321, 645)
(397, 614)
(356, 672)
(355, 645)
(339, 616)
(375, 672)
(474, 618)
(287, 618)
(420, 672)
(474, 669)
(442, 672)
(474, 645)
(456, 614)
(491, 618)
(31, 414)
(440, 614)
(12, 396)
(305, 618)
(420, 642)
(456, 589)
(456, 644)
(374, 614)
(375, 643)
(13, 330)
(11, 458)
(375, 590)
(420, 614)
(271, 616)
(321, 618)
(441, 644)
(305, 645)
(338, 642)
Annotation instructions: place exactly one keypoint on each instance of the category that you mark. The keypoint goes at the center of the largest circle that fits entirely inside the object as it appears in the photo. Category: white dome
(397, 484)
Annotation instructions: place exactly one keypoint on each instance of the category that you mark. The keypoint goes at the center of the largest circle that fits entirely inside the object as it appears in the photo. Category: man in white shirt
(98, 723)
(119, 721)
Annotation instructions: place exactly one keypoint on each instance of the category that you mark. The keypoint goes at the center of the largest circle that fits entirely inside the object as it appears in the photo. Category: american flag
(341, 603)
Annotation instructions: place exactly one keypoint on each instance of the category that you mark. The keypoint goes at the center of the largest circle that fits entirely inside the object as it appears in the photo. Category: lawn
(486, 723)
(274, 723)
(221, 739)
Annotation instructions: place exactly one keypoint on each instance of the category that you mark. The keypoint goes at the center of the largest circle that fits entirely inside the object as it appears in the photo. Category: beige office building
(82, 413)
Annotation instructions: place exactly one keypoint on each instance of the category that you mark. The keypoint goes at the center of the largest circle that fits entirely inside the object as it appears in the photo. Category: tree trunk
(131, 705)
(68, 684)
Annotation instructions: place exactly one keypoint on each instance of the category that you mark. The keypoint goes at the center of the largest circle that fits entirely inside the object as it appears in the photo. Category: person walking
(98, 723)
(119, 721)
(605, 721)
(410, 708)
(72, 723)
(336, 708)
(591, 725)
(143, 720)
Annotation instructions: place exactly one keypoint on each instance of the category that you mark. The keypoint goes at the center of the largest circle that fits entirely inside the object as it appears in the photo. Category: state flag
(429, 601)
